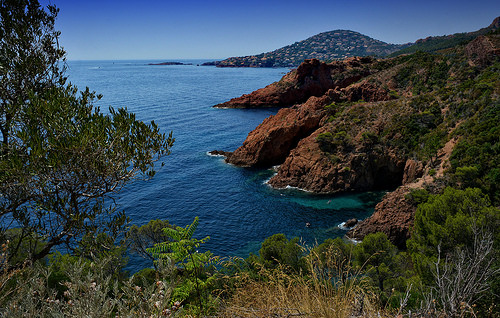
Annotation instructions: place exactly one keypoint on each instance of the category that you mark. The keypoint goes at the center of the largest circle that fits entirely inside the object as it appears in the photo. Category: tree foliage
(30, 57)
(446, 222)
(181, 249)
(181, 245)
(376, 254)
(140, 238)
(61, 159)
(277, 249)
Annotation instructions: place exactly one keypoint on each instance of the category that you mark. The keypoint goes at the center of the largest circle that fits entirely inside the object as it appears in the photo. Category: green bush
(447, 221)
(277, 249)
(417, 196)
(376, 254)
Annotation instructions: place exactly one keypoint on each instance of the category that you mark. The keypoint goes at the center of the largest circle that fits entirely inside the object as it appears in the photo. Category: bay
(235, 206)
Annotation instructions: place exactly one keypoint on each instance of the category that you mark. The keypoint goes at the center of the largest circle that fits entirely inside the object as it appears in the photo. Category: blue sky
(216, 29)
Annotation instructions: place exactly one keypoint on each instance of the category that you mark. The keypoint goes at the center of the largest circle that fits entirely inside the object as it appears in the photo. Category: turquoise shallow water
(236, 208)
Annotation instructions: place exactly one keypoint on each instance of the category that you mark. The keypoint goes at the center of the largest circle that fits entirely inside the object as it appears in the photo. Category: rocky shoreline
(289, 138)
(342, 127)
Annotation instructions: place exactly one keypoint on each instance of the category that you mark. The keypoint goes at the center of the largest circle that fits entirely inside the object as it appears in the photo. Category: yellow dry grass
(331, 289)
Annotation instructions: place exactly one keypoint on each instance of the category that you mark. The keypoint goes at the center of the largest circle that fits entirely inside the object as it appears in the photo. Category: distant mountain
(326, 46)
(436, 43)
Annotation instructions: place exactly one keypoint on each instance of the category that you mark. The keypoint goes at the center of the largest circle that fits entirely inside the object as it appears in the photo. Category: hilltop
(342, 44)
(326, 46)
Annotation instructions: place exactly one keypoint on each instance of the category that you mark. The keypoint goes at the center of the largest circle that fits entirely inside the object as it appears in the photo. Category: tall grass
(330, 288)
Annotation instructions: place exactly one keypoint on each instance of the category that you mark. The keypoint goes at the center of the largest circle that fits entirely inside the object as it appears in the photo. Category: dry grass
(331, 289)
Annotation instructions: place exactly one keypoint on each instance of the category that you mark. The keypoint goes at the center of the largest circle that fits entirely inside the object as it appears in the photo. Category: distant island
(170, 63)
(326, 46)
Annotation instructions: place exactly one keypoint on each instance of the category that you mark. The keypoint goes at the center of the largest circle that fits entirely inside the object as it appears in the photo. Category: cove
(235, 206)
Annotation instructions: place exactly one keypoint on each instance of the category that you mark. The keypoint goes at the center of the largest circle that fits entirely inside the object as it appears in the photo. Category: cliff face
(311, 78)
(307, 167)
(394, 216)
(362, 124)
(344, 154)
(270, 143)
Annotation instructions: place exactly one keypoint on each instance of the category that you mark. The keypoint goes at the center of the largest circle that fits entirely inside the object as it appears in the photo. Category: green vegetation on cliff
(436, 98)
(437, 43)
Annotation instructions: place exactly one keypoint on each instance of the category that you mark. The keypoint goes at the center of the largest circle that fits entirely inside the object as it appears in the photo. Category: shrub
(446, 221)
(277, 249)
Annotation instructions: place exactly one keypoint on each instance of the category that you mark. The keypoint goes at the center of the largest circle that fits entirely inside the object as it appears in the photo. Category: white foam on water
(216, 156)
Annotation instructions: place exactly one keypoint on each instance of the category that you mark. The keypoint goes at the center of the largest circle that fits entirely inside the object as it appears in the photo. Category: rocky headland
(311, 78)
(364, 124)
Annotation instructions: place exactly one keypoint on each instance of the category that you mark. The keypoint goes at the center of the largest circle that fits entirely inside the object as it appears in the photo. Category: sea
(235, 206)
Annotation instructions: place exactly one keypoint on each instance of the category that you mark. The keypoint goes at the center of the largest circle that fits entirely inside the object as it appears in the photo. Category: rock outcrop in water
(271, 142)
(363, 124)
(393, 215)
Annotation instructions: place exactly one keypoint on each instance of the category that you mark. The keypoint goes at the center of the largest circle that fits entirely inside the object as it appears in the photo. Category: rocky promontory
(271, 142)
(311, 78)
(393, 215)
(364, 124)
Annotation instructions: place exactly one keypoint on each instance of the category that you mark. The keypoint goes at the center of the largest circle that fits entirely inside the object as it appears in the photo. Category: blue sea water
(235, 206)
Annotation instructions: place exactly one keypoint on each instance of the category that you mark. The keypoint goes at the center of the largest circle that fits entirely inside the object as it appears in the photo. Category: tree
(30, 58)
(465, 276)
(140, 238)
(277, 249)
(446, 222)
(377, 255)
(454, 248)
(181, 249)
(61, 158)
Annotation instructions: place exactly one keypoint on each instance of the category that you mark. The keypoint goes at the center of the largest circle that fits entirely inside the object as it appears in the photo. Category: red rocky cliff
(340, 132)
(393, 216)
(270, 143)
(291, 137)
(311, 78)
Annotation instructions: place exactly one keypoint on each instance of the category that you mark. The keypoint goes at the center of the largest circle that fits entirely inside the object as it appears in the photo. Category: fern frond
(173, 234)
(191, 228)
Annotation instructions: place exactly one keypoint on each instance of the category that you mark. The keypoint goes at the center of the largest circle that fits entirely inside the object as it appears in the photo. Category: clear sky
(217, 29)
